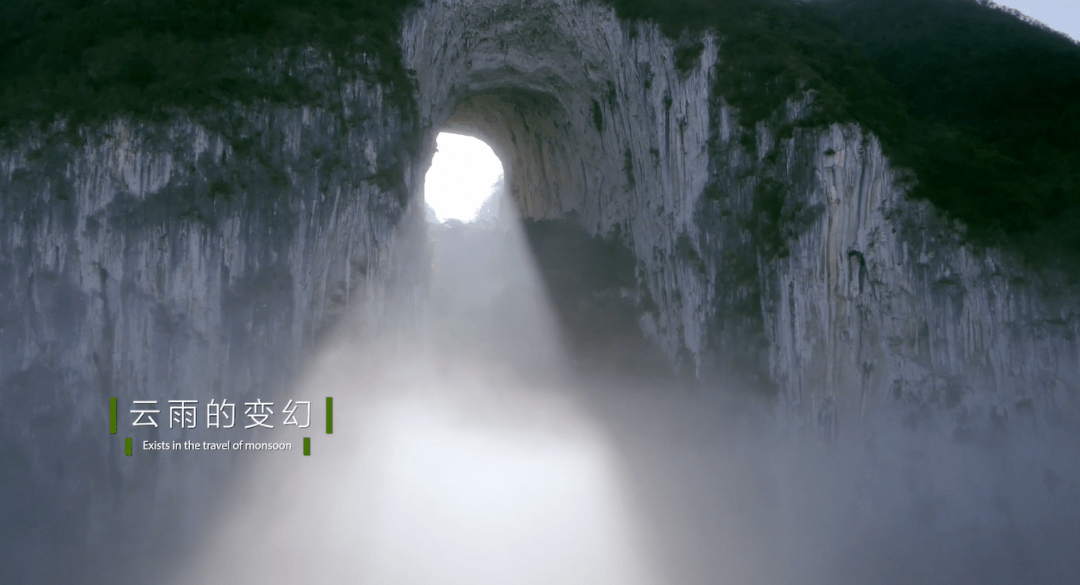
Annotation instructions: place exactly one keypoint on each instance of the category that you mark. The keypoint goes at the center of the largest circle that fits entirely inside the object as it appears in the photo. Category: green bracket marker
(329, 415)
(127, 446)
(307, 446)
(112, 415)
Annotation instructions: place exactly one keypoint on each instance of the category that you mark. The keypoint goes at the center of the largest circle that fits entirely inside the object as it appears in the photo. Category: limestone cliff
(878, 305)
(793, 265)
(196, 258)
(203, 255)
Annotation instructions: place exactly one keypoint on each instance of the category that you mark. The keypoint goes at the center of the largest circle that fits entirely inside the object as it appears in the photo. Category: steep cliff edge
(877, 304)
(197, 258)
(203, 256)
(783, 259)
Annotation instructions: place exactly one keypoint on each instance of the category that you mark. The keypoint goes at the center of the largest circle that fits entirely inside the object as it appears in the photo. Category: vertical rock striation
(199, 257)
(780, 259)
(193, 258)
(878, 301)
(590, 117)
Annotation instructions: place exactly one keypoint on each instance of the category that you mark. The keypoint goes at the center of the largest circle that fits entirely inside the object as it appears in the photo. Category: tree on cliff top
(88, 59)
(983, 106)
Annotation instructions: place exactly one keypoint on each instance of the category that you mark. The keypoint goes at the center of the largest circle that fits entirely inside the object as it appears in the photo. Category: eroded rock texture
(792, 266)
(194, 259)
(200, 257)
(589, 116)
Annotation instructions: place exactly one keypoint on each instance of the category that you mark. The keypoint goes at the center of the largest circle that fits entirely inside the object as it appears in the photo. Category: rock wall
(778, 259)
(589, 116)
(879, 303)
(202, 256)
(193, 258)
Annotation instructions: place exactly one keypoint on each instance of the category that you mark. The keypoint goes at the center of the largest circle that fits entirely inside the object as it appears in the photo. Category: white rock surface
(533, 79)
(198, 258)
(201, 257)
(860, 302)
(880, 303)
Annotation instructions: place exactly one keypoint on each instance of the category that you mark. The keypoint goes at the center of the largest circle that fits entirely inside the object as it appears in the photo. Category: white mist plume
(466, 452)
(457, 456)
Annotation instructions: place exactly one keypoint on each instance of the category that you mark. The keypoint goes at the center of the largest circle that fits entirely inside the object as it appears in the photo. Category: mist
(502, 438)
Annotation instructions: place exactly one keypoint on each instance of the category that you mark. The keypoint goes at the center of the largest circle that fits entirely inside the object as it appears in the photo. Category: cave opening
(464, 182)
(486, 299)
(487, 466)
(536, 227)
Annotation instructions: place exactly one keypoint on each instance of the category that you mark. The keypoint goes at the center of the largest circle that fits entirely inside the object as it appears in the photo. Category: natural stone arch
(623, 122)
(590, 116)
(525, 130)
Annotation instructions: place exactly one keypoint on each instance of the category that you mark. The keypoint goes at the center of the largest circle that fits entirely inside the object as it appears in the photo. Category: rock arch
(589, 116)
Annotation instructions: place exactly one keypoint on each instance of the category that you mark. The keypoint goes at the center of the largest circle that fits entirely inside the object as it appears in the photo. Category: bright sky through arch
(461, 176)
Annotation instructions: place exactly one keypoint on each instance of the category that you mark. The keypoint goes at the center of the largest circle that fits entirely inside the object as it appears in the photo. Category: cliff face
(878, 306)
(590, 117)
(197, 258)
(790, 265)
(202, 256)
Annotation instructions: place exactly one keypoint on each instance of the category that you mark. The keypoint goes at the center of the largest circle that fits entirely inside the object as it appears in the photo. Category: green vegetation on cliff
(996, 109)
(983, 107)
(88, 59)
